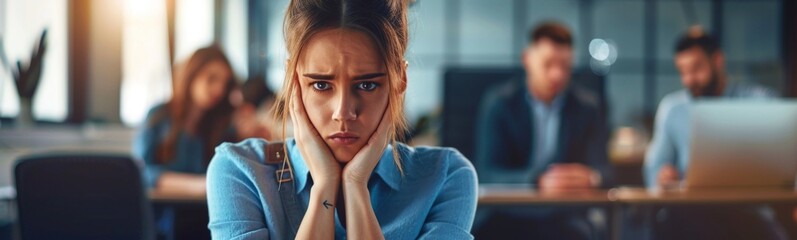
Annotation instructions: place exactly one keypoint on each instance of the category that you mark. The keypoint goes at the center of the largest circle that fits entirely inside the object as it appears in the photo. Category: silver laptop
(743, 144)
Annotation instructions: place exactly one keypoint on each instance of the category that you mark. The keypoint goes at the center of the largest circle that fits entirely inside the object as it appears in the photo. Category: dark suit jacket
(505, 134)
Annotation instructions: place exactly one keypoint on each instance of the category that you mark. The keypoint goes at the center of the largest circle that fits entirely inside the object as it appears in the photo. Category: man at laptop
(701, 64)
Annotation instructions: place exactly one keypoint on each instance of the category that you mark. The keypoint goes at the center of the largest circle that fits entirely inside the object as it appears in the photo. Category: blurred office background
(109, 61)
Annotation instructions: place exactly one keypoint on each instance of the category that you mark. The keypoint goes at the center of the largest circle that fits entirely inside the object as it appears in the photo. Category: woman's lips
(344, 138)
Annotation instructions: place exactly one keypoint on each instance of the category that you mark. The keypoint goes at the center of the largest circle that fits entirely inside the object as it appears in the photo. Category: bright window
(147, 75)
(146, 79)
(21, 24)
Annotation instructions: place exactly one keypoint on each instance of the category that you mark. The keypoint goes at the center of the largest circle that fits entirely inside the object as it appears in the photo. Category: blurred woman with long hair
(178, 138)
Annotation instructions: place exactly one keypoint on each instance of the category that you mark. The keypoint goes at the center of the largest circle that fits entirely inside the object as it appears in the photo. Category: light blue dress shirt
(670, 144)
(545, 119)
(435, 198)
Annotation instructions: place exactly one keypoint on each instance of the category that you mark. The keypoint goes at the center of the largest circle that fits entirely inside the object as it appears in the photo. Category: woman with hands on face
(349, 175)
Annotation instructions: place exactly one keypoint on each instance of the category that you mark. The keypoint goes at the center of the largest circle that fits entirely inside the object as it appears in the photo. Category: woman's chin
(344, 154)
(343, 157)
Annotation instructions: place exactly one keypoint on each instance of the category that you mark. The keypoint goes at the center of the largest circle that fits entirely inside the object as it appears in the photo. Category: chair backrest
(81, 196)
(463, 89)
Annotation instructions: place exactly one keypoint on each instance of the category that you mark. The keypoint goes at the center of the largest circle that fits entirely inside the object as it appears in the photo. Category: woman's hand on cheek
(359, 169)
(324, 169)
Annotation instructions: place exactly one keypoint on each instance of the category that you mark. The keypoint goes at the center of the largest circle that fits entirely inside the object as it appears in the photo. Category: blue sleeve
(452, 213)
(145, 145)
(661, 150)
(233, 204)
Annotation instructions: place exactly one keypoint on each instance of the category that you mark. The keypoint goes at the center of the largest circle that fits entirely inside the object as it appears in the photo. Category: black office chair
(463, 89)
(80, 196)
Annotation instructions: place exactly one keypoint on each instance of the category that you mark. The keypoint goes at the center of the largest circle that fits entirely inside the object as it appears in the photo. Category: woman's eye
(321, 86)
(367, 86)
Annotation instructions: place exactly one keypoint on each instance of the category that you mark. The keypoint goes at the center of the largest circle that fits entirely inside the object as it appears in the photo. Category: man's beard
(709, 90)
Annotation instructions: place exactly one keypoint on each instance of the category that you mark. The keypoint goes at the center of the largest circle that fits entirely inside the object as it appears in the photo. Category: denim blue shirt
(188, 157)
(670, 144)
(434, 199)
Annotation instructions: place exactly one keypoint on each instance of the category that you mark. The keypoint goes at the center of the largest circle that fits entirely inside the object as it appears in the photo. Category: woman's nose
(346, 108)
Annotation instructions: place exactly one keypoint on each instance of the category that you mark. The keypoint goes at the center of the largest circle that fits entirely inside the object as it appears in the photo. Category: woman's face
(344, 88)
(209, 85)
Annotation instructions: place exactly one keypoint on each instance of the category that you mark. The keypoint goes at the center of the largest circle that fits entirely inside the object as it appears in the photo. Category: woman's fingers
(302, 121)
(377, 142)
(380, 136)
(316, 154)
(303, 127)
(298, 105)
(296, 110)
(360, 168)
(294, 113)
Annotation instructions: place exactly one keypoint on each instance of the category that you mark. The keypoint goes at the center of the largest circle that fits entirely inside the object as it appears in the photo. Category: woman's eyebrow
(319, 76)
(369, 76)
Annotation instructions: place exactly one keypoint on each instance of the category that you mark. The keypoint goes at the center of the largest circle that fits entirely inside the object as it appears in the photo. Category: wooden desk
(640, 196)
(623, 199)
(499, 194)
(489, 194)
(646, 201)
(524, 194)
(159, 197)
(516, 197)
